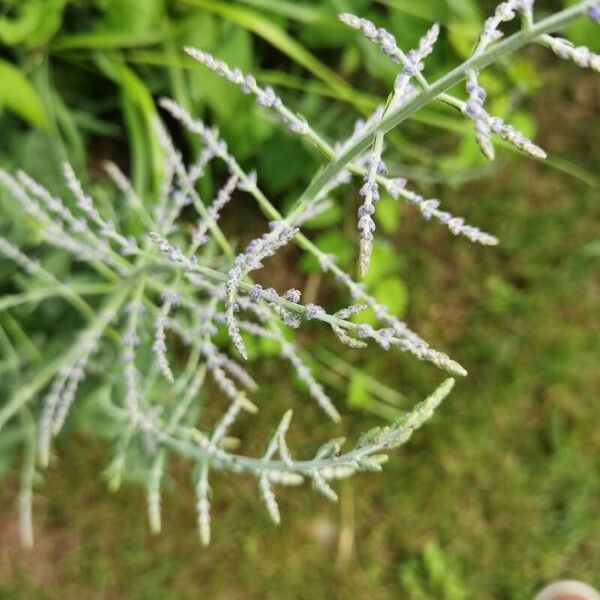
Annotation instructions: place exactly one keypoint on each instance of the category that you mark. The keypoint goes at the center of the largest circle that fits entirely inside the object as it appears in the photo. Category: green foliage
(76, 73)
(75, 41)
(19, 96)
(34, 24)
(432, 576)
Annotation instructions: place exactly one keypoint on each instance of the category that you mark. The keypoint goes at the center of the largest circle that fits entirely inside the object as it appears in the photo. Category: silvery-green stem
(348, 460)
(434, 90)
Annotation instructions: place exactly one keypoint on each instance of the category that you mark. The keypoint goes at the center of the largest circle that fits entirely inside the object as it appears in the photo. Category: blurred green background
(496, 496)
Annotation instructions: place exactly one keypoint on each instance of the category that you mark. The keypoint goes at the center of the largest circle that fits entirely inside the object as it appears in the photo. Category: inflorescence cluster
(187, 282)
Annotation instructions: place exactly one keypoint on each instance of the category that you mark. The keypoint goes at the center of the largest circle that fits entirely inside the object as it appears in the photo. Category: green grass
(496, 496)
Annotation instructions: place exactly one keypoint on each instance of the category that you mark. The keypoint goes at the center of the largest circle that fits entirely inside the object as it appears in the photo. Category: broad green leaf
(387, 214)
(19, 96)
(582, 32)
(246, 133)
(107, 40)
(467, 10)
(524, 74)
(462, 36)
(333, 242)
(282, 163)
(393, 293)
(50, 19)
(133, 16)
(269, 347)
(385, 261)
(15, 30)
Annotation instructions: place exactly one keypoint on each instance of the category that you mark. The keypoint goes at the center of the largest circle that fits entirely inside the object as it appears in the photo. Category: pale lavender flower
(291, 319)
(314, 311)
(315, 389)
(202, 486)
(288, 350)
(75, 376)
(408, 340)
(131, 377)
(474, 110)
(384, 39)
(264, 96)
(210, 137)
(84, 202)
(14, 254)
(226, 385)
(123, 184)
(178, 183)
(580, 55)
(119, 178)
(221, 360)
(515, 137)
(268, 497)
(154, 496)
(173, 167)
(258, 249)
(350, 311)
(413, 63)
(106, 228)
(321, 486)
(228, 419)
(264, 482)
(256, 292)
(203, 507)
(374, 166)
(173, 254)
(505, 11)
(130, 340)
(50, 402)
(197, 170)
(486, 124)
(233, 329)
(159, 345)
(200, 236)
(395, 186)
(53, 204)
(430, 208)
(370, 193)
(52, 230)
